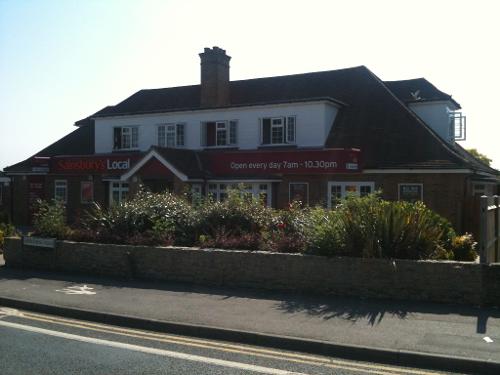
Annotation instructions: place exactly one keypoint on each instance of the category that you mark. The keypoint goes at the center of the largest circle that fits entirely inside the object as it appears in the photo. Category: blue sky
(61, 61)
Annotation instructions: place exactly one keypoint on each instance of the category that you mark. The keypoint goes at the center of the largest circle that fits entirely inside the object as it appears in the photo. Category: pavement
(438, 336)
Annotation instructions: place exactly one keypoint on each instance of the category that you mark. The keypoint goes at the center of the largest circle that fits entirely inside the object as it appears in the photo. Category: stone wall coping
(268, 253)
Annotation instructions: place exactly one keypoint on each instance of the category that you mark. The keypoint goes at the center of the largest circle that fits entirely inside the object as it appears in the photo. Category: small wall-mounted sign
(49, 243)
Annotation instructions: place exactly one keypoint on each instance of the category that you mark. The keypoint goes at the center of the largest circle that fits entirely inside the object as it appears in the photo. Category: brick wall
(443, 193)
(5, 200)
(455, 282)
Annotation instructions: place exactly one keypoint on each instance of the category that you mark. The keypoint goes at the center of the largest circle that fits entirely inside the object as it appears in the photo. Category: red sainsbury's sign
(94, 164)
(272, 162)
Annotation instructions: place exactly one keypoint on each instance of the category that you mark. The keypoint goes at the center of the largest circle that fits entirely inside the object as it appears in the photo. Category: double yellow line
(228, 348)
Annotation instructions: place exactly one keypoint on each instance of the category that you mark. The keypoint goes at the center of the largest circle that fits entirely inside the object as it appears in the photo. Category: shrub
(237, 215)
(287, 230)
(370, 227)
(49, 219)
(412, 231)
(464, 248)
(247, 241)
(6, 230)
(160, 217)
(280, 242)
(325, 232)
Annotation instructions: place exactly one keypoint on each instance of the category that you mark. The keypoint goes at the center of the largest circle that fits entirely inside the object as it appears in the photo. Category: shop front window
(196, 192)
(61, 190)
(87, 192)
(262, 191)
(118, 192)
(299, 191)
(340, 190)
(411, 192)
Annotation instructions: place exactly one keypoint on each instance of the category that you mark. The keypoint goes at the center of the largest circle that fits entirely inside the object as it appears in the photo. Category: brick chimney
(214, 77)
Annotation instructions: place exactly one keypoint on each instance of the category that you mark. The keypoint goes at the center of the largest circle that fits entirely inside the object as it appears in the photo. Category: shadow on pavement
(326, 307)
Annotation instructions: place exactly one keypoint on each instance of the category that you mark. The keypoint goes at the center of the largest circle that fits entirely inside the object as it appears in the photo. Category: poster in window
(410, 192)
(299, 192)
(87, 191)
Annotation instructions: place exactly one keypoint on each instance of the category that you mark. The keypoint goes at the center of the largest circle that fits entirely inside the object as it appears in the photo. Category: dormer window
(171, 135)
(219, 133)
(277, 130)
(126, 138)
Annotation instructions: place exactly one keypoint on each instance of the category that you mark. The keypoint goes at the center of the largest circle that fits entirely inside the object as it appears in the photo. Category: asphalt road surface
(32, 343)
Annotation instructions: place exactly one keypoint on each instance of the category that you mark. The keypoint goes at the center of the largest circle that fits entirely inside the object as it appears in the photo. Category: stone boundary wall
(438, 281)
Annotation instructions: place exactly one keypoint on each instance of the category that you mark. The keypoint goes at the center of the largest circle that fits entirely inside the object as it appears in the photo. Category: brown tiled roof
(418, 90)
(78, 142)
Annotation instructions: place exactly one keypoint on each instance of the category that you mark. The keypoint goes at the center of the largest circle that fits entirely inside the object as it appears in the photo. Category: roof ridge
(167, 88)
(300, 74)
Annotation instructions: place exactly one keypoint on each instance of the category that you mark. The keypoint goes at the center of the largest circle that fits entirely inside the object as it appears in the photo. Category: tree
(481, 157)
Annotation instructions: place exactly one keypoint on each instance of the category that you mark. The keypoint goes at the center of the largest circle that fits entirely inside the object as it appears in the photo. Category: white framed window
(338, 190)
(196, 192)
(61, 190)
(278, 130)
(118, 192)
(171, 135)
(86, 192)
(298, 191)
(411, 192)
(125, 137)
(219, 133)
(260, 190)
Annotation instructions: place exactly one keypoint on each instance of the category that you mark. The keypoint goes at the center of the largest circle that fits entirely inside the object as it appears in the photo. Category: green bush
(162, 216)
(464, 248)
(325, 232)
(366, 227)
(412, 231)
(370, 227)
(237, 215)
(6, 230)
(49, 219)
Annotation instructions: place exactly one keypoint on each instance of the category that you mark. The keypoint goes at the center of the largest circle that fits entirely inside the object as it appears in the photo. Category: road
(32, 343)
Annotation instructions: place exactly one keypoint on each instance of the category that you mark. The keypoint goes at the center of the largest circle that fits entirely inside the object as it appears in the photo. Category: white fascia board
(429, 171)
(153, 154)
(221, 109)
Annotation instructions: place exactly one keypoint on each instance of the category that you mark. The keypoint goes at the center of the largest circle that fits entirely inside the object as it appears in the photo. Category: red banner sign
(272, 162)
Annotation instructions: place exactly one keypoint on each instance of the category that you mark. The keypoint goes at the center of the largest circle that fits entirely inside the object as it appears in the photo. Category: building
(315, 137)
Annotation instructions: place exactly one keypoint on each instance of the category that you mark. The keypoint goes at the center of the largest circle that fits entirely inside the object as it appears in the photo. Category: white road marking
(5, 311)
(144, 349)
(77, 290)
(488, 340)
